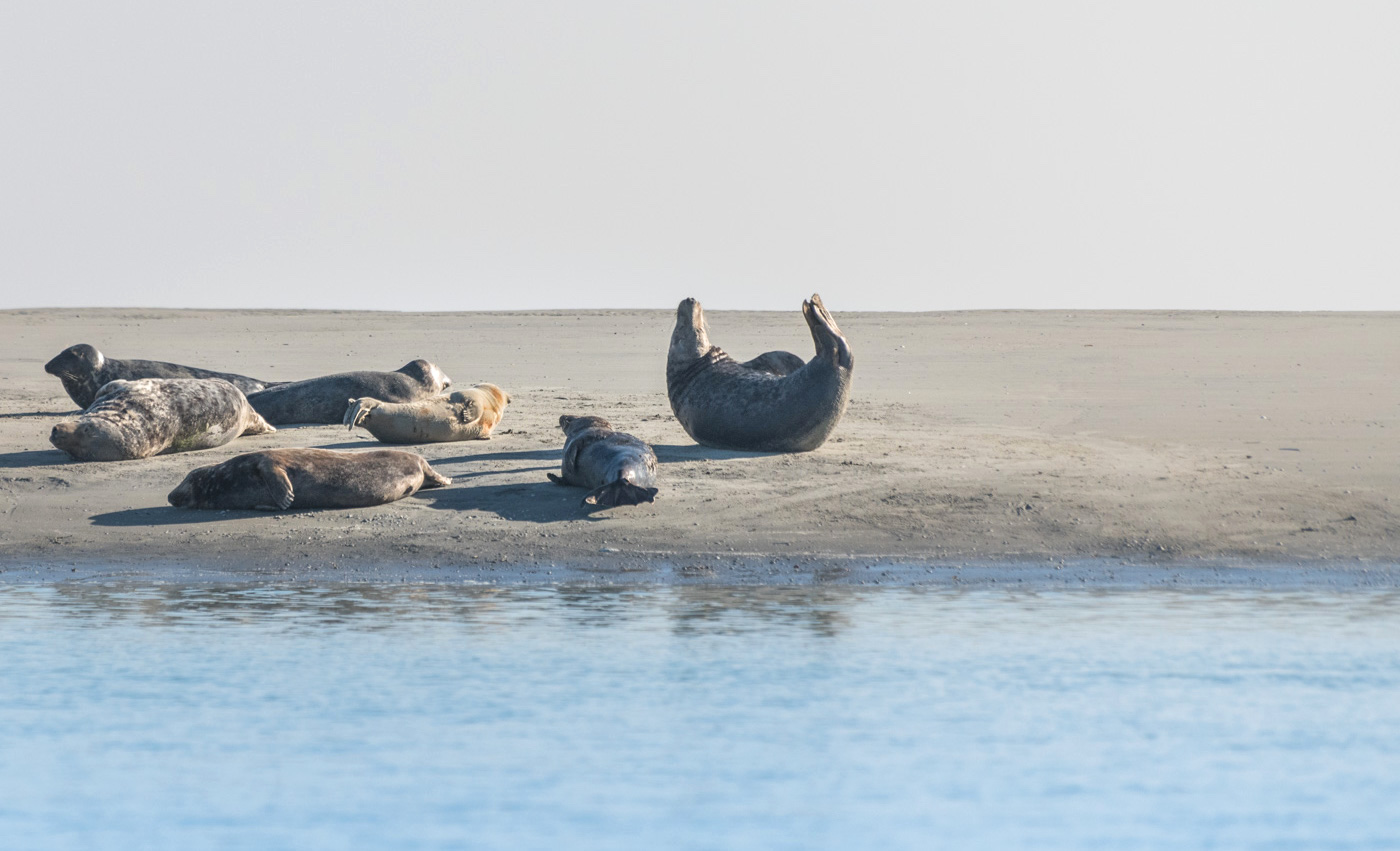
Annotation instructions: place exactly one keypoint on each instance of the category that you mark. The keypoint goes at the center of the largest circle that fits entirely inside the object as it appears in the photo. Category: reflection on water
(695, 716)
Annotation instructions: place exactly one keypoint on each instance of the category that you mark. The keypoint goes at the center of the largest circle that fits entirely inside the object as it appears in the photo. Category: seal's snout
(182, 496)
(64, 435)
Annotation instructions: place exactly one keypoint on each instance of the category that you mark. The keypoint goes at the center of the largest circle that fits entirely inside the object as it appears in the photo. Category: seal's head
(691, 338)
(428, 374)
(88, 440)
(190, 492)
(572, 424)
(77, 362)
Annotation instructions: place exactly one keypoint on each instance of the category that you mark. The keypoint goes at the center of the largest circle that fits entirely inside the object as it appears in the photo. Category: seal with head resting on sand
(773, 403)
(83, 370)
(279, 479)
(322, 400)
(468, 414)
(155, 416)
(618, 469)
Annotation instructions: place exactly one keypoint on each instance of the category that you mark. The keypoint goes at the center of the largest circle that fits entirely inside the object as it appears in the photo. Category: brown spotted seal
(83, 370)
(468, 414)
(278, 479)
(322, 400)
(617, 468)
(773, 403)
(155, 416)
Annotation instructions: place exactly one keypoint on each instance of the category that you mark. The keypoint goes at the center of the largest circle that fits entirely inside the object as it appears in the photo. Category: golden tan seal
(468, 414)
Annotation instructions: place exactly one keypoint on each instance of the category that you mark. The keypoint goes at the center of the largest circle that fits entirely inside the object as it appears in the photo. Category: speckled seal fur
(154, 416)
(322, 400)
(773, 403)
(618, 469)
(468, 414)
(83, 370)
(279, 479)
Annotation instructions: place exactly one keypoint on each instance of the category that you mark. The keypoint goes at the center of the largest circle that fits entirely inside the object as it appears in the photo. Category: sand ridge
(1021, 436)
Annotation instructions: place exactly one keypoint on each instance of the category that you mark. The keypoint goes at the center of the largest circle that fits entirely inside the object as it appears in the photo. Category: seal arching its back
(754, 406)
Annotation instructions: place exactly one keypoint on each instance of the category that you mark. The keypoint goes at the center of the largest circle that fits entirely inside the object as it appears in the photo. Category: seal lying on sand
(618, 468)
(468, 414)
(278, 479)
(757, 405)
(83, 370)
(322, 400)
(154, 416)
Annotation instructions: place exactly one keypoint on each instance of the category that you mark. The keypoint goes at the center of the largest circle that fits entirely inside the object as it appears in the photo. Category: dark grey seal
(156, 416)
(618, 468)
(278, 479)
(322, 400)
(83, 370)
(773, 403)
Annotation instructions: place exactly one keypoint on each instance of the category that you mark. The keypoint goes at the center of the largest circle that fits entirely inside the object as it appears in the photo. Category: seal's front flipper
(356, 412)
(620, 493)
(279, 486)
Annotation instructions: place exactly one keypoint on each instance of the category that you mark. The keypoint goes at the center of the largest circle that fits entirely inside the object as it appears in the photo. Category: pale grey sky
(890, 155)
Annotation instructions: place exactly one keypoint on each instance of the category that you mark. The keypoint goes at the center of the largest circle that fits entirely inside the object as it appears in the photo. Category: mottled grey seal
(618, 468)
(322, 400)
(468, 414)
(155, 416)
(773, 403)
(278, 479)
(83, 370)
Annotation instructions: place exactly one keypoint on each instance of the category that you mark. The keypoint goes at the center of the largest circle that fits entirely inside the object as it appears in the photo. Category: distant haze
(890, 155)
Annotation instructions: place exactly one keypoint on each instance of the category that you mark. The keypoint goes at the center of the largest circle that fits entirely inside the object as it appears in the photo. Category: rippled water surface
(696, 717)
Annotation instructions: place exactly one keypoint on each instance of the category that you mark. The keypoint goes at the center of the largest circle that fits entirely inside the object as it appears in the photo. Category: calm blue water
(697, 717)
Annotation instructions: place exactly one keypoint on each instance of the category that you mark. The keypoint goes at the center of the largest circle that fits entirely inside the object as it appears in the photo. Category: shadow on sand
(670, 453)
(533, 502)
(34, 458)
(27, 414)
(169, 515)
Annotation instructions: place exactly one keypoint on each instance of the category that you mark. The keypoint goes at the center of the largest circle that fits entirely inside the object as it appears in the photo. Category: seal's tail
(621, 492)
(356, 412)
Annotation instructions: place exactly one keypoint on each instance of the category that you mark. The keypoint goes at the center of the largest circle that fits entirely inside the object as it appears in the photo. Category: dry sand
(1185, 439)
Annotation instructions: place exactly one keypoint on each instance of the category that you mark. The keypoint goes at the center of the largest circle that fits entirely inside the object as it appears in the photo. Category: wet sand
(1185, 441)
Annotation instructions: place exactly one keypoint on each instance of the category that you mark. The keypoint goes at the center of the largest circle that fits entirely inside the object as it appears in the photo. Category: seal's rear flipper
(620, 493)
(557, 480)
(432, 478)
(825, 334)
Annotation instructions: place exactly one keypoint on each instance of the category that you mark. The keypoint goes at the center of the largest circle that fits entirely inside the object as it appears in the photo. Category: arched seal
(756, 405)
(83, 370)
(322, 400)
(468, 414)
(278, 479)
(155, 416)
(619, 469)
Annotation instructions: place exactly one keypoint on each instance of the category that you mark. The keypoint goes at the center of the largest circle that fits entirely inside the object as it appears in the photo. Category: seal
(156, 416)
(773, 403)
(278, 479)
(83, 370)
(468, 414)
(322, 400)
(618, 468)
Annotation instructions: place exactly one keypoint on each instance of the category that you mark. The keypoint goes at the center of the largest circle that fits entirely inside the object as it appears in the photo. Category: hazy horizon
(614, 155)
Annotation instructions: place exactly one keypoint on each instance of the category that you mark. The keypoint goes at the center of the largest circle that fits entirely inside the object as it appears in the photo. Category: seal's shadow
(27, 414)
(34, 458)
(532, 502)
(169, 515)
(670, 453)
